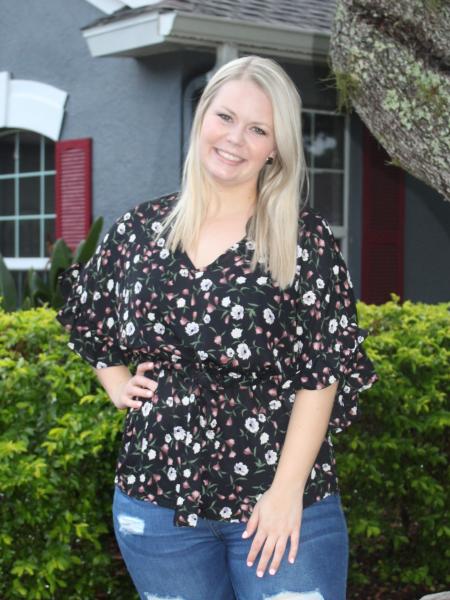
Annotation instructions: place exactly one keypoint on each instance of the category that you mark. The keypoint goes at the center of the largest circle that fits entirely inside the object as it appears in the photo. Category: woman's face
(237, 134)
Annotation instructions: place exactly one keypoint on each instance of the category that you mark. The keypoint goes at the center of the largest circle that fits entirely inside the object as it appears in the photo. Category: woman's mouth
(227, 157)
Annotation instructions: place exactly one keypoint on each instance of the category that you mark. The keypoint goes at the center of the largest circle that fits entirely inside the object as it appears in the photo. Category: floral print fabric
(230, 349)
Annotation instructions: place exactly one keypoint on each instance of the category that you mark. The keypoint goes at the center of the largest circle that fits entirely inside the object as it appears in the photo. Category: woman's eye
(224, 116)
(259, 131)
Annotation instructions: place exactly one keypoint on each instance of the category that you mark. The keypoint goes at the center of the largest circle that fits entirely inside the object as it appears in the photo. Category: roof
(307, 15)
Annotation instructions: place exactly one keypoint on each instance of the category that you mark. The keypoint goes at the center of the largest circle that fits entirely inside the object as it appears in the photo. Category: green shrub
(393, 464)
(60, 435)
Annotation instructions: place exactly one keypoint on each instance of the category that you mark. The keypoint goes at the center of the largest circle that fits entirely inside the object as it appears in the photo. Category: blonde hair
(274, 225)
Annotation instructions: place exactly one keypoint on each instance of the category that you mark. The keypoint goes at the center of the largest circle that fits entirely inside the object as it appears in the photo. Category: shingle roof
(307, 15)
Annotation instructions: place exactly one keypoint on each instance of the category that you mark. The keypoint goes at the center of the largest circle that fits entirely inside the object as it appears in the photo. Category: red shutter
(73, 190)
(383, 224)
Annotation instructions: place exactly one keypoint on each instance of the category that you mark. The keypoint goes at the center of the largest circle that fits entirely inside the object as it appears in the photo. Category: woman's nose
(236, 134)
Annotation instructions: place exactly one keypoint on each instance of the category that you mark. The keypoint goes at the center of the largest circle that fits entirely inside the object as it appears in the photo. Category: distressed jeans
(208, 562)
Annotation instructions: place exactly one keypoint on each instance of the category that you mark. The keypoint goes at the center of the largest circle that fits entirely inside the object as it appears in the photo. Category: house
(96, 104)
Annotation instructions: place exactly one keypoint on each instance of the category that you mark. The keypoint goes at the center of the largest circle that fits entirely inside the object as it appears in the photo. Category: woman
(238, 311)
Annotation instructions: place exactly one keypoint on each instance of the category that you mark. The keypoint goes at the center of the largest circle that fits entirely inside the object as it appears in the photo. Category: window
(326, 145)
(27, 201)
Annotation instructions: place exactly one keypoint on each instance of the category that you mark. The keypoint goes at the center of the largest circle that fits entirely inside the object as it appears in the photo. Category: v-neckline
(218, 258)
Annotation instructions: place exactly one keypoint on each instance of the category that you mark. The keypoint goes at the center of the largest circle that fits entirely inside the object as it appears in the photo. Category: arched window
(27, 200)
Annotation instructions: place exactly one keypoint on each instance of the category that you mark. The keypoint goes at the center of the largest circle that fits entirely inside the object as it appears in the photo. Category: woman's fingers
(295, 538)
(256, 546)
(266, 555)
(144, 382)
(280, 547)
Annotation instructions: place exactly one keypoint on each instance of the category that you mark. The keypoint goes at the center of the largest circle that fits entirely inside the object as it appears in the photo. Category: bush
(60, 435)
(393, 465)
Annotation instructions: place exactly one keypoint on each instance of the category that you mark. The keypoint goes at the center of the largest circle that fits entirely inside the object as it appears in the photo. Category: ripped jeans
(208, 562)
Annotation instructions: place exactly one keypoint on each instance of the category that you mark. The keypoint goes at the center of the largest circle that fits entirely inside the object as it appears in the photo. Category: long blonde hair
(274, 225)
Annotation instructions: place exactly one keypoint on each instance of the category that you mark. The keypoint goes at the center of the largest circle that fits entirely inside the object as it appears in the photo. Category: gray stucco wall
(427, 244)
(130, 108)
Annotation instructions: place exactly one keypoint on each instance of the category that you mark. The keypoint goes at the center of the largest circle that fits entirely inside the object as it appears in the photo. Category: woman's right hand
(138, 385)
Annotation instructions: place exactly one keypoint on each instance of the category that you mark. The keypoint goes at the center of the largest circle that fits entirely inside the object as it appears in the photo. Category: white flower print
(144, 444)
(241, 280)
(196, 448)
(243, 351)
(131, 479)
(336, 269)
(299, 330)
(168, 438)
(97, 295)
(206, 318)
(305, 255)
(129, 329)
(326, 467)
(192, 328)
(146, 409)
(159, 328)
(210, 434)
(237, 312)
(229, 351)
(271, 457)
(125, 315)
(186, 473)
(185, 400)
(126, 216)
(142, 478)
(268, 315)
(202, 354)
(313, 473)
(262, 418)
(151, 454)
(109, 322)
(331, 379)
(83, 297)
(261, 280)
(226, 301)
(121, 228)
(252, 424)
(343, 321)
(164, 253)
(332, 326)
(179, 433)
(184, 272)
(192, 519)
(136, 259)
(137, 287)
(110, 285)
(320, 283)
(171, 474)
(225, 513)
(169, 401)
(127, 265)
(160, 243)
(205, 284)
(240, 468)
(250, 245)
(188, 439)
(286, 384)
(274, 404)
(156, 226)
(99, 365)
(180, 501)
(181, 303)
(151, 316)
(309, 298)
(264, 438)
(236, 333)
(132, 237)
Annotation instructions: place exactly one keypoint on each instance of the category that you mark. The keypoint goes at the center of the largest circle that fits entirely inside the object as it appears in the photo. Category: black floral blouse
(230, 349)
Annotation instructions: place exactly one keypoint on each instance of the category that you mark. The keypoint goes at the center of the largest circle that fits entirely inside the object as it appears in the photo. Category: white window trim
(27, 262)
(31, 105)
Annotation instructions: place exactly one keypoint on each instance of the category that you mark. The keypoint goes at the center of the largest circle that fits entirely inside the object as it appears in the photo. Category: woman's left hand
(276, 518)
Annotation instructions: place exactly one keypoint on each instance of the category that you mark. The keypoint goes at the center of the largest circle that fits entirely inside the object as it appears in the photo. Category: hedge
(60, 434)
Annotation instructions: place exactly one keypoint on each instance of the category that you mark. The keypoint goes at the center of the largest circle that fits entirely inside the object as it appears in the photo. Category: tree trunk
(391, 60)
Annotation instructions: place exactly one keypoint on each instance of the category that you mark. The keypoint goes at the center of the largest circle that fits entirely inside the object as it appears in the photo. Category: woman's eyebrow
(254, 122)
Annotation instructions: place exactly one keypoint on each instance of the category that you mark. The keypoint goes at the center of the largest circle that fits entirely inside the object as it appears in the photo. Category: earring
(269, 160)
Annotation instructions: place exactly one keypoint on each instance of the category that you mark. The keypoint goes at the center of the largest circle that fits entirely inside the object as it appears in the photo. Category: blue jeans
(208, 562)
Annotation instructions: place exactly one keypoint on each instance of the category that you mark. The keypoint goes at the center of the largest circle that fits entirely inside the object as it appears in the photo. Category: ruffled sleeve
(329, 338)
(90, 312)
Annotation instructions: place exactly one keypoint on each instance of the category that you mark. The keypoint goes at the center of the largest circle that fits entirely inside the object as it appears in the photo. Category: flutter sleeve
(329, 342)
(90, 293)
